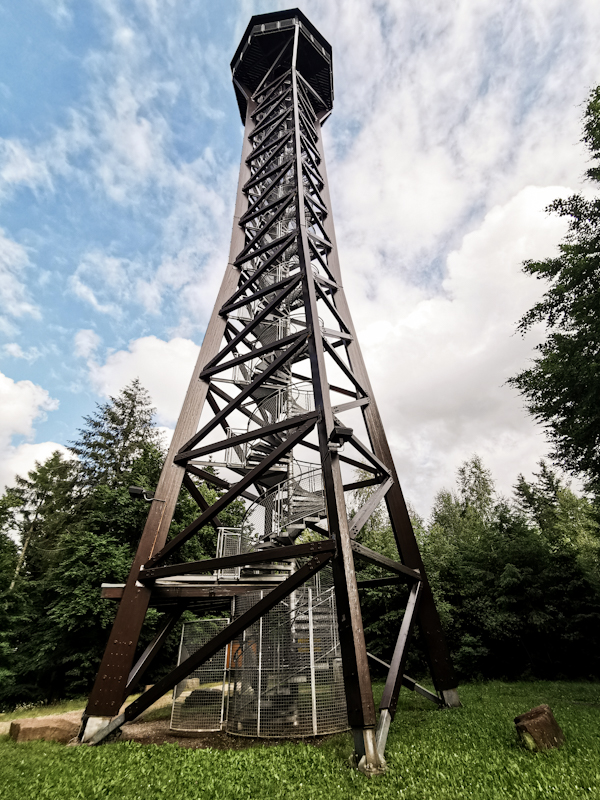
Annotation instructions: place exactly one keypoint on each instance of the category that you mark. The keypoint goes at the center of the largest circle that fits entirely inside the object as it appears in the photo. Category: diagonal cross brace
(259, 352)
(248, 299)
(254, 322)
(236, 402)
(234, 492)
(241, 560)
(214, 480)
(284, 243)
(393, 684)
(362, 516)
(249, 436)
(200, 500)
(382, 561)
(150, 653)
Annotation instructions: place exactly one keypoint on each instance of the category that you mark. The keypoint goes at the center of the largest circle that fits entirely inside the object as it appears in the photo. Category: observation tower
(280, 415)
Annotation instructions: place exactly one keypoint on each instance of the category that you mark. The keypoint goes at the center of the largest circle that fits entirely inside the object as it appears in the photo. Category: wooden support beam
(201, 502)
(389, 699)
(411, 684)
(364, 513)
(268, 555)
(391, 690)
(383, 561)
(249, 436)
(214, 480)
(232, 494)
(145, 660)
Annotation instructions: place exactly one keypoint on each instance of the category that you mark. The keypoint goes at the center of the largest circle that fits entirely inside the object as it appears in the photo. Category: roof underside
(265, 35)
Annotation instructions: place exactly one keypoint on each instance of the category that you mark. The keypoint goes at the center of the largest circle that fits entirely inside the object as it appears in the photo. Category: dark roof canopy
(263, 39)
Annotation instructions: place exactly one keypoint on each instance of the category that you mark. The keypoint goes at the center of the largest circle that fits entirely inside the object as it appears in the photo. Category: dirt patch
(158, 732)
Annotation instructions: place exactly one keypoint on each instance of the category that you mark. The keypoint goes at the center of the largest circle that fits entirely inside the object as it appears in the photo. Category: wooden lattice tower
(281, 323)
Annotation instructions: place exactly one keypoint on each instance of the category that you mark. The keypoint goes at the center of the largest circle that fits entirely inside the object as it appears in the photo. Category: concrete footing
(451, 698)
(90, 726)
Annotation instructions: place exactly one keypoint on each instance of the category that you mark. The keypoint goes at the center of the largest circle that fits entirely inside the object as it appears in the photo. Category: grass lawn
(44, 711)
(470, 752)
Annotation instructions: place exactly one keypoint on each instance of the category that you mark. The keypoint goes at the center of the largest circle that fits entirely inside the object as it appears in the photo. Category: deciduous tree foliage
(562, 387)
(514, 578)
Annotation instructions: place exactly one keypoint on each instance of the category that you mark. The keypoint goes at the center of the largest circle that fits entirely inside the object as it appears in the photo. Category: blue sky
(454, 124)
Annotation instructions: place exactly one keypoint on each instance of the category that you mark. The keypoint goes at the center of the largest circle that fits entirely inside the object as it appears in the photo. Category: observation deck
(262, 45)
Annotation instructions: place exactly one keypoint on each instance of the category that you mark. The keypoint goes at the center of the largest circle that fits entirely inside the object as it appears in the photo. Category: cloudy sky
(455, 123)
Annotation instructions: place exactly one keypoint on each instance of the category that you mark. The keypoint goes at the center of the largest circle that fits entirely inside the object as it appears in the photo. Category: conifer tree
(78, 527)
(116, 436)
(562, 387)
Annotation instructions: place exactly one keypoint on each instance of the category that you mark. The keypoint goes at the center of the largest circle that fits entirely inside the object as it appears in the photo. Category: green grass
(470, 752)
(33, 710)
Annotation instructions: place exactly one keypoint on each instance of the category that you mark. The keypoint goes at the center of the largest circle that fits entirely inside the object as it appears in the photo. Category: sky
(455, 123)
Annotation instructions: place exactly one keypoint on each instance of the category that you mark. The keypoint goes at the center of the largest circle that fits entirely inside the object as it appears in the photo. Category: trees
(116, 437)
(562, 387)
(78, 527)
(514, 578)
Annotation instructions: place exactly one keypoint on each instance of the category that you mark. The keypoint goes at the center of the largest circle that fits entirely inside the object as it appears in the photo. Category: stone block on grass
(538, 729)
(53, 728)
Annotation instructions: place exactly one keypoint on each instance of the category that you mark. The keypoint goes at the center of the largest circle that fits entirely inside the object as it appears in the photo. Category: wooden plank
(167, 595)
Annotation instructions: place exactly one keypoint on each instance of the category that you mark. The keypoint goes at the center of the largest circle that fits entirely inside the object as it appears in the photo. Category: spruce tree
(116, 436)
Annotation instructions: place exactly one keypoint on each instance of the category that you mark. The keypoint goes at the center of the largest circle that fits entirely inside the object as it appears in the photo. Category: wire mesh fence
(281, 678)
(285, 677)
(199, 700)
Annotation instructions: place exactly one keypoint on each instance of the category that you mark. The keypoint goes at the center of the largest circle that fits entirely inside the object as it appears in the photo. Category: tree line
(69, 526)
(516, 580)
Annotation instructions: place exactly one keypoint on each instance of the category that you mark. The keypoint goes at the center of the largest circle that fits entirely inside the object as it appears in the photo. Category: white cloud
(439, 362)
(18, 166)
(14, 296)
(444, 110)
(59, 10)
(120, 142)
(15, 350)
(86, 343)
(22, 403)
(164, 368)
(104, 282)
(22, 459)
